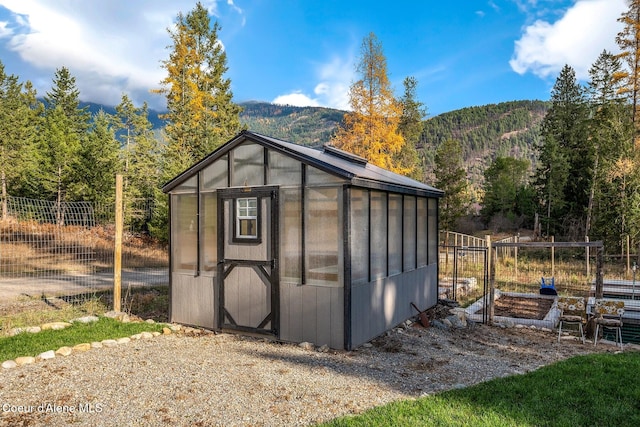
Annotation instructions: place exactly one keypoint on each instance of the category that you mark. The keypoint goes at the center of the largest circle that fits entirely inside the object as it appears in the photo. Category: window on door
(247, 219)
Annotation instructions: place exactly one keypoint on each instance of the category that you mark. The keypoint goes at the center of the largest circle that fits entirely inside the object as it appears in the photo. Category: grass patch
(598, 389)
(27, 344)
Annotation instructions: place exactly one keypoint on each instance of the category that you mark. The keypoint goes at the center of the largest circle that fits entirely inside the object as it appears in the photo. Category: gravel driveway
(227, 380)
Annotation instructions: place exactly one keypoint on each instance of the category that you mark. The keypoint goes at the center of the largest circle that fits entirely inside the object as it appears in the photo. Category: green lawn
(593, 390)
(28, 344)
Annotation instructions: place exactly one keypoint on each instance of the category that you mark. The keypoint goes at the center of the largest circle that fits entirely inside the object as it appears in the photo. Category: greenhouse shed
(269, 237)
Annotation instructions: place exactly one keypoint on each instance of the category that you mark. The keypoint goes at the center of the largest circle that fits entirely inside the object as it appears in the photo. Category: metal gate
(471, 277)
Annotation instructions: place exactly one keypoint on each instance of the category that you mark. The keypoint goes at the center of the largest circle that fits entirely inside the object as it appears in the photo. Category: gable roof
(330, 159)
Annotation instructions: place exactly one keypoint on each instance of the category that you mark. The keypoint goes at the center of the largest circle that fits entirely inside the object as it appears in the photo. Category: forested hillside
(312, 126)
(508, 129)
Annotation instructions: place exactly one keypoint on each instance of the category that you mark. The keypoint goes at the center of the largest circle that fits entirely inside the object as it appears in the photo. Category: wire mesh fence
(522, 271)
(66, 250)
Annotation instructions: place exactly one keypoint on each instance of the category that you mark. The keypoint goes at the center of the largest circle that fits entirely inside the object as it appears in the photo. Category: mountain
(508, 129)
(311, 126)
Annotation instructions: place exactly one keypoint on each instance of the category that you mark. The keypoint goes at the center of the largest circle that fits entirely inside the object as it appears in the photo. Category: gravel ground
(228, 380)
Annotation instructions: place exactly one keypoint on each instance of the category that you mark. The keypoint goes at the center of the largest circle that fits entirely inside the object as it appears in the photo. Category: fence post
(553, 257)
(492, 277)
(117, 254)
(586, 239)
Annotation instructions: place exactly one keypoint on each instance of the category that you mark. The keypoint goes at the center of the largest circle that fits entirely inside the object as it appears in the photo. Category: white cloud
(331, 90)
(109, 47)
(297, 99)
(576, 39)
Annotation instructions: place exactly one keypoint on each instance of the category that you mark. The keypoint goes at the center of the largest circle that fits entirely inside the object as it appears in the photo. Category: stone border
(82, 347)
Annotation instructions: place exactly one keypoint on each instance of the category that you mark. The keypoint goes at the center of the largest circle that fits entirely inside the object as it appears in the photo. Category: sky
(462, 53)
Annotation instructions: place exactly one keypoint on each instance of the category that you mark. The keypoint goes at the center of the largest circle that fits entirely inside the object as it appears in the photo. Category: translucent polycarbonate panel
(248, 165)
(421, 232)
(283, 170)
(189, 186)
(395, 234)
(291, 235)
(359, 236)
(432, 230)
(409, 234)
(209, 221)
(184, 232)
(316, 176)
(378, 233)
(323, 236)
(215, 175)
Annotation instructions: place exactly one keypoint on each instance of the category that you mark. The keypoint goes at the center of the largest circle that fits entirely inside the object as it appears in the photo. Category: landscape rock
(175, 328)
(156, 333)
(135, 336)
(109, 343)
(306, 345)
(25, 360)
(96, 344)
(323, 349)
(64, 351)
(9, 364)
(150, 321)
(166, 331)
(146, 335)
(82, 347)
(123, 340)
(47, 355)
(118, 315)
(55, 326)
(33, 329)
(85, 319)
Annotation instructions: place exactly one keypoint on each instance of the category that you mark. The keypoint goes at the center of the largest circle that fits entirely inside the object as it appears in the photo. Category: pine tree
(610, 130)
(410, 127)
(100, 151)
(452, 179)
(370, 130)
(140, 159)
(201, 114)
(19, 116)
(565, 154)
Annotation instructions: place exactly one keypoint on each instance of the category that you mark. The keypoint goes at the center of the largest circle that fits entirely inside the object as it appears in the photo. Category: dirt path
(70, 284)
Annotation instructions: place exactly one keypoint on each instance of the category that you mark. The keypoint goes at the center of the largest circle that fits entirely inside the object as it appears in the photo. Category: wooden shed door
(248, 253)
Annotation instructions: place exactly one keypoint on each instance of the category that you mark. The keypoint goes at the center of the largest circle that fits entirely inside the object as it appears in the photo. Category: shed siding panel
(337, 318)
(383, 304)
(192, 301)
(312, 313)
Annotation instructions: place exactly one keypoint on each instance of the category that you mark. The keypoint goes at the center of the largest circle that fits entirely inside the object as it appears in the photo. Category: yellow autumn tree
(201, 115)
(370, 129)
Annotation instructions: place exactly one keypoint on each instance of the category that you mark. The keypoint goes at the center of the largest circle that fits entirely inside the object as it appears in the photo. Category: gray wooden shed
(269, 237)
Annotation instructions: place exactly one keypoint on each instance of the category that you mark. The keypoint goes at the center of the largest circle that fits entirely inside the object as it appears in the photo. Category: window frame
(237, 238)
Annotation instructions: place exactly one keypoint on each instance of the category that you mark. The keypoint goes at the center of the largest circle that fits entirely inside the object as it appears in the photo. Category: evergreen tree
(564, 166)
(100, 150)
(452, 179)
(505, 184)
(370, 130)
(19, 112)
(410, 127)
(66, 95)
(610, 130)
(140, 150)
(59, 148)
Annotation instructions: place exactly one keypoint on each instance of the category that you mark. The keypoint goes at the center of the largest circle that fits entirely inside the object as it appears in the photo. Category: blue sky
(463, 53)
